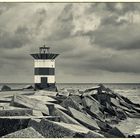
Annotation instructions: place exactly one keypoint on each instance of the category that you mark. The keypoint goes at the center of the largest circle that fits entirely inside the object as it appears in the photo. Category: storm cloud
(97, 42)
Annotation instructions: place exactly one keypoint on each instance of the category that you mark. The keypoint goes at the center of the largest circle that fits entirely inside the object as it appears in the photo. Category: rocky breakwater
(92, 113)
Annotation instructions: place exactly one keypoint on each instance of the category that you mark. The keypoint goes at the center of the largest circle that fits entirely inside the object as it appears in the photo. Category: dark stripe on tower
(44, 71)
(45, 86)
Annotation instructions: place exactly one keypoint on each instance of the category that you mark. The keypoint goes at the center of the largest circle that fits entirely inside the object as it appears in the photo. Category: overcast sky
(97, 42)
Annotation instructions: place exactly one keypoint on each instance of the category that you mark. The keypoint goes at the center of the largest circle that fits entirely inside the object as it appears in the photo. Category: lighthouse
(44, 69)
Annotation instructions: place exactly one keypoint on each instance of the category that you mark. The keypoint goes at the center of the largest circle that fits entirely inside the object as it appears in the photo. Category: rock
(103, 98)
(136, 134)
(92, 134)
(59, 99)
(69, 102)
(46, 93)
(37, 113)
(92, 88)
(63, 116)
(74, 127)
(5, 88)
(28, 87)
(116, 103)
(84, 119)
(116, 132)
(87, 102)
(20, 100)
(16, 112)
(5, 100)
(104, 126)
(64, 93)
(76, 98)
(95, 110)
(70, 90)
(133, 114)
(101, 88)
(57, 106)
(10, 94)
(93, 92)
(24, 133)
(44, 99)
(129, 106)
(10, 124)
(29, 117)
(109, 109)
(120, 113)
(50, 129)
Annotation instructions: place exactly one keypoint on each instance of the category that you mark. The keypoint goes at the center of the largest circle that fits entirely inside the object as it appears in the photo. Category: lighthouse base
(45, 86)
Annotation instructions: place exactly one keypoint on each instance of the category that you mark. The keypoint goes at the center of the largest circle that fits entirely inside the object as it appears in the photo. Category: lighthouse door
(44, 80)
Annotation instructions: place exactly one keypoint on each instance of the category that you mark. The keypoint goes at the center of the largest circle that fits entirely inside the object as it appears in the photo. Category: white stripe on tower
(45, 63)
(37, 78)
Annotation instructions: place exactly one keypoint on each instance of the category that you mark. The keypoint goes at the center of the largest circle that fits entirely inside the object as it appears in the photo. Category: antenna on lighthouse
(44, 49)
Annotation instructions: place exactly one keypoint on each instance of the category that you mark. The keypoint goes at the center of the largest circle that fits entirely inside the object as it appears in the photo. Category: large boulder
(10, 124)
(51, 129)
(28, 132)
(28, 87)
(84, 119)
(63, 116)
(5, 88)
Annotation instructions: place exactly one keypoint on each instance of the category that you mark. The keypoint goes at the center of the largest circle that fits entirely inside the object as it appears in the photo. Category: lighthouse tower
(44, 69)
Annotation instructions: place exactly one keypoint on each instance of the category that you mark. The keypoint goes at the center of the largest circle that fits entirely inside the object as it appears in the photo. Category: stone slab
(92, 134)
(63, 116)
(89, 93)
(30, 103)
(83, 118)
(12, 93)
(3, 100)
(16, 112)
(69, 102)
(42, 98)
(116, 132)
(9, 125)
(24, 133)
(74, 127)
(92, 88)
(37, 113)
(50, 129)
(76, 98)
(45, 93)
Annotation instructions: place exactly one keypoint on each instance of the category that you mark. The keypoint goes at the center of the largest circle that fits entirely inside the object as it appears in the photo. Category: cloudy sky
(97, 42)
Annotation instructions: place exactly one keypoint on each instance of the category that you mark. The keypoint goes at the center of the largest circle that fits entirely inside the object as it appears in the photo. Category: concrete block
(84, 119)
(5, 88)
(44, 99)
(9, 125)
(16, 112)
(45, 93)
(50, 129)
(76, 98)
(63, 116)
(92, 134)
(24, 133)
(116, 132)
(69, 102)
(20, 100)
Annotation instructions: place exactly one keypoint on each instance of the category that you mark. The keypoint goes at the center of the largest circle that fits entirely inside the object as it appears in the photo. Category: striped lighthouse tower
(44, 69)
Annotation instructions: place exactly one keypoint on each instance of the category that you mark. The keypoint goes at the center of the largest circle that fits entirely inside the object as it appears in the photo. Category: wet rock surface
(92, 113)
